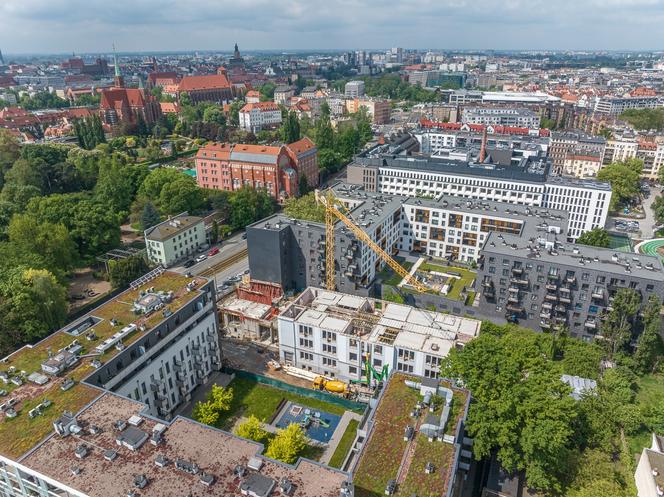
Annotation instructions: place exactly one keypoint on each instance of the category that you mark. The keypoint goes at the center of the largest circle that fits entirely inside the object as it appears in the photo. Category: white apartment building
(174, 239)
(455, 228)
(503, 116)
(354, 89)
(260, 115)
(335, 334)
(649, 475)
(581, 165)
(529, 184)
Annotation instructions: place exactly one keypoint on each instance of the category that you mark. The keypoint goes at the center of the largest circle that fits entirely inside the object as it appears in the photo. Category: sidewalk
(337, 435)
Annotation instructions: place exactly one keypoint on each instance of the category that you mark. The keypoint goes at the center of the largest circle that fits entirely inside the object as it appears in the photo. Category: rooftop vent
(207, 479)
(161, 461)
(81, 451)
(429, 468)
(285, 486)
(140, 481)
(186, 466)
(110, 454)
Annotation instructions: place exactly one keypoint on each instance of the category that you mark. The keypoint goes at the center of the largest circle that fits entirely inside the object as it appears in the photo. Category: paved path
(336, 436)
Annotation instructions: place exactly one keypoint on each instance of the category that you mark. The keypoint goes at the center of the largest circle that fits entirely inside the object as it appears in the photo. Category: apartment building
(379, 110)
(544, 283)
(581, 165)
(335, 334)
(304, 154)
(453, 228)
(177, 238)
(354, 89)
(625, 146)
(614, 106)
(282, 94)
(291, 252)
(648, 477)
(530, 183)
(564, 143)
(226, 166)
(257, 116)
(501, 116)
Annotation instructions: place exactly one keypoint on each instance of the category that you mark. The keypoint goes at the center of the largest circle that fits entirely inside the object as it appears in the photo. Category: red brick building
(304, 154)
(225, 166)
(208, 88)
(124, 105)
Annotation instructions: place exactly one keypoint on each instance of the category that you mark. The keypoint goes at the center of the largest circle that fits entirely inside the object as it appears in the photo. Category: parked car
(213, 251)
(201, 258)
(189, 263)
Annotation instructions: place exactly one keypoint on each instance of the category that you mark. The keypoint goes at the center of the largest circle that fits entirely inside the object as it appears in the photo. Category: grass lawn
(382, 456)
(466, 277)
(345, 444)
(250, 397)
(649, 394)
(389, 277)
(419, 483)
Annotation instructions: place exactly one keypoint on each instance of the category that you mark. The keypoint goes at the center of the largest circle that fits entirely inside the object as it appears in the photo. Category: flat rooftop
(216, 453)
(384, 450)
(247, 308)
(19, 434)
(578, 256)
(392, 324)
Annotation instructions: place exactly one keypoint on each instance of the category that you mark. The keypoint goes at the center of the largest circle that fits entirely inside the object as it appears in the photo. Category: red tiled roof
(479, 128)
(115, 98)
(301, 146)
(169, 107)
(262, 106)
(208, 82)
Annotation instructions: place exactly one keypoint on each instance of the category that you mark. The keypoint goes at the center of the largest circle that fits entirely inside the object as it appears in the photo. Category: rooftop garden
(345, 444)
(19, 434)
(384, 451)
(460, 278)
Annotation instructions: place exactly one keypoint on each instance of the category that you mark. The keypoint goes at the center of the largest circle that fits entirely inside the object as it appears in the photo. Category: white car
(201, 258)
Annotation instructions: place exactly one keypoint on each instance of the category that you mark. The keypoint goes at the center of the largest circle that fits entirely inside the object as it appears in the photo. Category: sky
(65, 26)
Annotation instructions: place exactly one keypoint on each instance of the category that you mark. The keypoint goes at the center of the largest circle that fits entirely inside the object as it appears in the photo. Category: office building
(354, 89)
(175, 239)
(528, 183)
(255, 117)
(546, 283)
(333, 334)
(501, 116)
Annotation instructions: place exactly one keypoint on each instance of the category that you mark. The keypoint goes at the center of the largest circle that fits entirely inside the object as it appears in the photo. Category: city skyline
(73, 25)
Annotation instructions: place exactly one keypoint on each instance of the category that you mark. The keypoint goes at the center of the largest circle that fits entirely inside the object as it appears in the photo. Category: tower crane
(332, 213)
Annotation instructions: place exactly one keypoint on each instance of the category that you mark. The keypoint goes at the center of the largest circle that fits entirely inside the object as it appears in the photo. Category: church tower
(2, 60)
(119, 80)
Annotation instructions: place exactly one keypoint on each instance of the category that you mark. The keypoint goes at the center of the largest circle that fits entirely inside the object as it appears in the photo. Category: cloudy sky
(49, 26)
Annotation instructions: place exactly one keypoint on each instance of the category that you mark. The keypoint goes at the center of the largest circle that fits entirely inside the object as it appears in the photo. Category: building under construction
(358, 339)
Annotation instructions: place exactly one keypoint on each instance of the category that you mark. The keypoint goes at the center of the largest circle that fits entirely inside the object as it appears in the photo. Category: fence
(307, 392)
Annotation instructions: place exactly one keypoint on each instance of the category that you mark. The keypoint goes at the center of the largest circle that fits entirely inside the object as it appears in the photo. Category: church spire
(119, 81)
(2, 60)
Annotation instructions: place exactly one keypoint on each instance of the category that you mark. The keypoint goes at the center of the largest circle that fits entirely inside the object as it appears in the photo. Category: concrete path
(412, 271)
(337, 435)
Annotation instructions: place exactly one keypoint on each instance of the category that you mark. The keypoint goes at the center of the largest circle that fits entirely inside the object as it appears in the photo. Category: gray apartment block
(574, 142)
(541, 286)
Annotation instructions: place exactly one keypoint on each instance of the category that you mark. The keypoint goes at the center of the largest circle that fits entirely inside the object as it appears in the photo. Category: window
(352, 370)
(329, 349)
(306, 343)
(406, 355)
(329, 362)
(406, 368)
(329, 336)
(378, 349)
(305, 331)
(306, 356)
(352, 356)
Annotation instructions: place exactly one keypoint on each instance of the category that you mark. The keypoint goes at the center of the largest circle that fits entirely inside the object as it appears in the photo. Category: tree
(32, 304)
(114, 186)
(522, 411)
(22, 173)
(287, 444)
(213, 114)
(181, 195)
(303, 185)
(646, 119)
(9, 152)
(649, 343)
(50, 241)
(150, 216)
(658, 208)
(291, 128)
(218, 400)
(252, 429)
(324, 134)
(234, 112)
(624, 178)
(249, 205)
(305, 208)
(155, 181)
(619, 322)
(596, 237)
(122, 272)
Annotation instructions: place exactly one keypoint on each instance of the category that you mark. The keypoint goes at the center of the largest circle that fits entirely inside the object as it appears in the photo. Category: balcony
(571, 280)
(551, 287)
(545, 315)
(565, 299)
(560, 308)
(514, 307)
(551, 298)
(545, 324)
(487, 283)
(591, 324)
(597, 294)
(517, 270)
(552, 276)
(513, 299)
(547, 305)
(561, 319)
(519, 281)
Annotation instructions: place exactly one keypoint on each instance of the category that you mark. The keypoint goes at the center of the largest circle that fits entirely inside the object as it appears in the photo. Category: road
(646, 225)
(230, 261)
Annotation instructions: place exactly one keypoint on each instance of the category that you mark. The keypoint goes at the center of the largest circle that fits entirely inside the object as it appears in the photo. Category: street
(647, 224)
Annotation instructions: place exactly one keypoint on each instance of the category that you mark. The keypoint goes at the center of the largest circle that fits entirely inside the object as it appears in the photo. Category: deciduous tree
(287, 444)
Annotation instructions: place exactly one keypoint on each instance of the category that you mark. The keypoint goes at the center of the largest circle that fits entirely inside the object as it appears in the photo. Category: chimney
(483, 147)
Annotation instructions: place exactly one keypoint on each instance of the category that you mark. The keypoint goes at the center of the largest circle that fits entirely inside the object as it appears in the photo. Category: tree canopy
(288, 444)
(596, 237)
(624, 178)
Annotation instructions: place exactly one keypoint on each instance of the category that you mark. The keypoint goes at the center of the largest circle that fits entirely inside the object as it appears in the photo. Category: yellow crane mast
(330, 202)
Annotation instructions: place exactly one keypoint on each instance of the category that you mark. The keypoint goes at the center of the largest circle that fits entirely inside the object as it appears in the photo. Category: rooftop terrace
(19, 434)
(210, 455)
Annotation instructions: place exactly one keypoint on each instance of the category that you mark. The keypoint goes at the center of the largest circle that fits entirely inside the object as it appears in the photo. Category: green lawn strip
(345, 444)
(456, 410)
(253, 398)
(466, 277)
(417, 481)
(382, 456)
